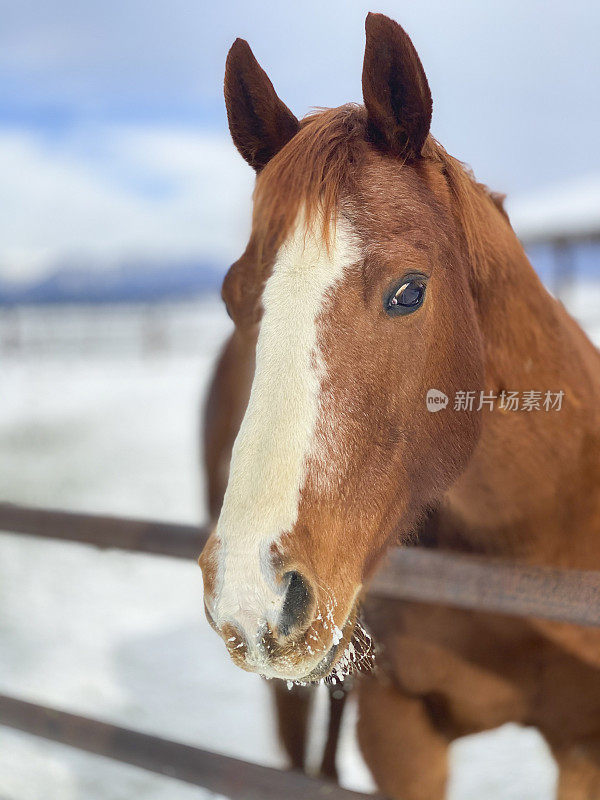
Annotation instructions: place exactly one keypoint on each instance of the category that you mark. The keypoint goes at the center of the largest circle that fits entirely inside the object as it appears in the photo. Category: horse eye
(407, 297)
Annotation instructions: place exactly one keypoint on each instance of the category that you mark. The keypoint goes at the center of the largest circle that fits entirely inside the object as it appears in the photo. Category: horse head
(356, 282)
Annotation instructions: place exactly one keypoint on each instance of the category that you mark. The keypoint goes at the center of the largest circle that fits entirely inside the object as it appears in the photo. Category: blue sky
(112, 126)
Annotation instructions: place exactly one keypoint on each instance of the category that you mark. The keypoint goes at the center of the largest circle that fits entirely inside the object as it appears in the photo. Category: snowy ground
(123, 637)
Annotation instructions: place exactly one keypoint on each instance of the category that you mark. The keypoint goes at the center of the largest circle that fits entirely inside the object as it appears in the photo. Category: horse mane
(319, 164)
(473, 203)
(312, 171)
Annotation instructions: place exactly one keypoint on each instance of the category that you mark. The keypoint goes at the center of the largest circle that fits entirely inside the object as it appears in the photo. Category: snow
(123, 637)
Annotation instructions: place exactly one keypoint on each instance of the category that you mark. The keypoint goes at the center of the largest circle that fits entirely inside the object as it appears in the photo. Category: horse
(379, 274)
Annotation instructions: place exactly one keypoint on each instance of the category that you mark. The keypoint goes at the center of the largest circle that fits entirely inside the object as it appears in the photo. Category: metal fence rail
(238, 780)
(409, 573)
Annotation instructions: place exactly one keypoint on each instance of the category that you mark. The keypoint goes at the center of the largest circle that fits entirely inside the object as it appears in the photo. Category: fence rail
(134, 535)
(238, 780)
(409, 573)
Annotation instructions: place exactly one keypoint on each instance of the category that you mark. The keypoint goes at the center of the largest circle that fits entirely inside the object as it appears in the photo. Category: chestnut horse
(377, 269)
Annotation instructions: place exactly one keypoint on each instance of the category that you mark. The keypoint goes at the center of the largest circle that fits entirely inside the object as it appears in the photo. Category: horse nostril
(294, 613)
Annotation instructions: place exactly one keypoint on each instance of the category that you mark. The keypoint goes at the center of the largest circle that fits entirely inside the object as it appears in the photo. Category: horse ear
(259, 122)
(395, 89)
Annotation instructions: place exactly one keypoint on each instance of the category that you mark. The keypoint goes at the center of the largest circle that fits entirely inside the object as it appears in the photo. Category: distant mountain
(138, 282)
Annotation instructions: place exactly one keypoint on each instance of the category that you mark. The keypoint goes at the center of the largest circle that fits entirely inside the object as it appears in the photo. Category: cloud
(116, 100)
(119, 192)
(513, 86)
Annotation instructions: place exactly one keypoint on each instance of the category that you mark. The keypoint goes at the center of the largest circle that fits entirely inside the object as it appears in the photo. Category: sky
(113, 138)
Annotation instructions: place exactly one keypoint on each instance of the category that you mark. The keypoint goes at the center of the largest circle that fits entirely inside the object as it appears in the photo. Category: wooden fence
(409, 573)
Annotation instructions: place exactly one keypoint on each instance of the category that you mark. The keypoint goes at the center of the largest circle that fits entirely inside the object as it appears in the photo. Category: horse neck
(532, 488)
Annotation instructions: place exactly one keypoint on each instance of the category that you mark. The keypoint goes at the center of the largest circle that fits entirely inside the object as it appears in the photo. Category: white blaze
(269, 455)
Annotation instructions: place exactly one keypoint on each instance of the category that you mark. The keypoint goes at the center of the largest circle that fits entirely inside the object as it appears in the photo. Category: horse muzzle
(272, 621)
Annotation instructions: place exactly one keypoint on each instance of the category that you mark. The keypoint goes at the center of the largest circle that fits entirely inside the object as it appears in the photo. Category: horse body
(377, 467)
